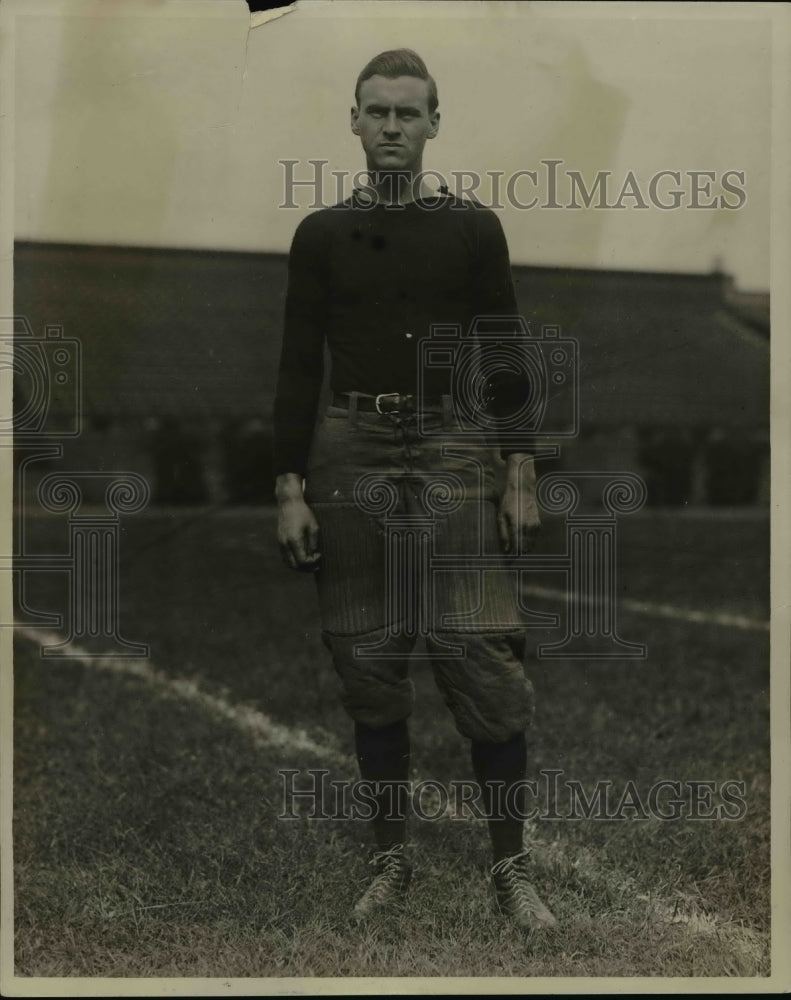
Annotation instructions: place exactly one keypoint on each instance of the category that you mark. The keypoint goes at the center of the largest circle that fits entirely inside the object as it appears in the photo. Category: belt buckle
(386, 395)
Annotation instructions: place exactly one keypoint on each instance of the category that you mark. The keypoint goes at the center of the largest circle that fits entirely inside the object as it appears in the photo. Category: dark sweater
(373, 281)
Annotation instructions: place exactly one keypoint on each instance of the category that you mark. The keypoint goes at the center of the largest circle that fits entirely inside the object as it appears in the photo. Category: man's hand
(518, 517)
(297, 528)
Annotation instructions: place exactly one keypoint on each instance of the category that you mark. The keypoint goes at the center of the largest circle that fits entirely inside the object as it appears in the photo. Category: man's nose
(392, 124)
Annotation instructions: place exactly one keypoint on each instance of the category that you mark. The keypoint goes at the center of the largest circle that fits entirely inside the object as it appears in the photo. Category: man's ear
(434, 126)
(354, 123)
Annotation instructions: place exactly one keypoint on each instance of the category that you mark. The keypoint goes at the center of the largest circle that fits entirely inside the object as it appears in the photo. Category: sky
(162, 123)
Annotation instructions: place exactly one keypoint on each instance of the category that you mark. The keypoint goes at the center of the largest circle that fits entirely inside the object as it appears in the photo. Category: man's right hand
(297, 528)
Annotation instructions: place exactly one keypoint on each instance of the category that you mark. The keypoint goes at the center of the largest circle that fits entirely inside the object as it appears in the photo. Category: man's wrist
(520, 465)
(288, 486)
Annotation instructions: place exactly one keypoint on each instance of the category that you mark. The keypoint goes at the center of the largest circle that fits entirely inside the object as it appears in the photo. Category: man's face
(393, 122)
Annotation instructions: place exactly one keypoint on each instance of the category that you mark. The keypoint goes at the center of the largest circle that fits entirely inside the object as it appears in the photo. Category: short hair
(398, 62)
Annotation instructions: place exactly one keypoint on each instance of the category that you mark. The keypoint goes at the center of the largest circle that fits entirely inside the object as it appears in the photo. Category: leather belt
(389, 402)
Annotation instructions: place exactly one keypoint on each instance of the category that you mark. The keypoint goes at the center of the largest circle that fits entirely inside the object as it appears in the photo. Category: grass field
(146, 834)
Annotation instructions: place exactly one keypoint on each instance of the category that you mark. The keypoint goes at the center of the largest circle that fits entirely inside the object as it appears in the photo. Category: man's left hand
(518, 517)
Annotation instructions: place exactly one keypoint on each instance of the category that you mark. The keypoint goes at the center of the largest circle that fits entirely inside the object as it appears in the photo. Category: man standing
(370, 278)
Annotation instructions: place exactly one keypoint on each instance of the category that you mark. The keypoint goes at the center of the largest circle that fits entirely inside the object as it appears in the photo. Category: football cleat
(516, 897)
(389, 885)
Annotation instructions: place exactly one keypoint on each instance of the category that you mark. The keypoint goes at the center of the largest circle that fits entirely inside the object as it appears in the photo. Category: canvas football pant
(387, 501)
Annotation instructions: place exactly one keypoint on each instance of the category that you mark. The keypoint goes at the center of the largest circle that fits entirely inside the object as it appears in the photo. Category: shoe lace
(389, 864)
(511, 870)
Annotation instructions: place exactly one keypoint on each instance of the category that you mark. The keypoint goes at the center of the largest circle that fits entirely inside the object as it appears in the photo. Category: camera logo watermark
(47, 411)
(45, 372)
(503, 379)
(505, 387)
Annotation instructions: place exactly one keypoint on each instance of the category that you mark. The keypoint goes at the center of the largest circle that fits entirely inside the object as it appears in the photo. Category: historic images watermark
(47, 381)
(588, 564)
(508, 386)
(552, 796)
(549, 185)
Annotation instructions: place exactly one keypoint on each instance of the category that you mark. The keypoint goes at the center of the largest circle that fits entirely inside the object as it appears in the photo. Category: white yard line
(264, 732)
(723, 618)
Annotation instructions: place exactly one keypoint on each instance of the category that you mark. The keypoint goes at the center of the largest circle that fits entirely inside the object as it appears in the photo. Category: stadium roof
(197, 333)
(655, 348)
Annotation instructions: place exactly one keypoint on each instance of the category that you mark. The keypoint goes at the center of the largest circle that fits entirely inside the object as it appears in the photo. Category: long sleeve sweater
(372, 282)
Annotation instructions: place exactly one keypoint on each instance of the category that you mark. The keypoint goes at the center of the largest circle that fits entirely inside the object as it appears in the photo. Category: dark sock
(383, 756)
(505, 763)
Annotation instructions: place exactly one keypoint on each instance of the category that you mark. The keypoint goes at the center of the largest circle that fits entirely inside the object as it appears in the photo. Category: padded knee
(376, 688)
(487, 690)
